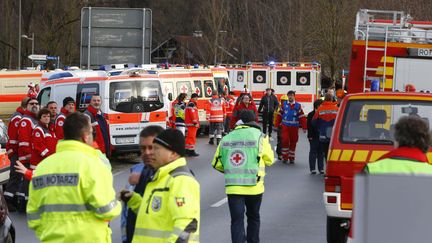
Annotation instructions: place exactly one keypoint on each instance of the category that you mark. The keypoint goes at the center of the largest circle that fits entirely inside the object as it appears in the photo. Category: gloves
(125, 195)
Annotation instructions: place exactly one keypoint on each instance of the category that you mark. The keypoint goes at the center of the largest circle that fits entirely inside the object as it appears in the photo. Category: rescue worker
(52, 107)
(44, 140)
(245, 103)
(216, 114)
(27, 123)
(179, 112)
(169, 211)
(315, 151)
(68, 108)
(12, 152)
(279, 139)
(229, 107)
(242, 156)
(267, 106)
(71, 195)
(141, 175)
(290, 118)
(413, 140)
(324, 119)
(192, 124)
(100, 125)
(31, 93)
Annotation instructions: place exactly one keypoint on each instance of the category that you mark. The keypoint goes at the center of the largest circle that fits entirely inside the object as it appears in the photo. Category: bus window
(84, 94)
(44, 96)
(135, 96)
(198, 88)
(184, 87)
(208, 88)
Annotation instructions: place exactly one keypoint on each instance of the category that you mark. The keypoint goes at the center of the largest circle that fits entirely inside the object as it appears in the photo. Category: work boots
(211, 141)
(217, 141)
(192, 153)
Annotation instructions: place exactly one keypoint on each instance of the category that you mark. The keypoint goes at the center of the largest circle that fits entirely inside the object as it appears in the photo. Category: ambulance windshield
(373, 121)
(135, 96)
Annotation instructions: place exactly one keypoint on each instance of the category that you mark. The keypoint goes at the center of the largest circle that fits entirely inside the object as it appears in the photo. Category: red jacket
(237, 109)
(27, 124)
(191, 115)
(32, 94)
(229, 105)
(44, 144)
(59, 123)
(12, 143)
(215, 109)
(172, 117)
(101, 126)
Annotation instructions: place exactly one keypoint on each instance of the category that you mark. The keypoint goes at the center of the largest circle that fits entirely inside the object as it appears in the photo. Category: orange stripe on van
(12, 97)
(201, 74)
(21, 75)
(124, 118)
(63, 81)
(174, 75)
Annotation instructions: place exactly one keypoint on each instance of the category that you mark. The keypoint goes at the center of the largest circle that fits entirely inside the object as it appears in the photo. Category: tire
(335, 233)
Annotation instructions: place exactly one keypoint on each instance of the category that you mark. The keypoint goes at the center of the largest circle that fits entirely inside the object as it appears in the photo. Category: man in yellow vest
(71, 195)
(242, 156)
(412, 143)
(169, 211)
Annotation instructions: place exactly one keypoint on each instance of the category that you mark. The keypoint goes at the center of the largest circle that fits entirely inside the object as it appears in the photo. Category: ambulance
(302, 77)
(14, 87)
(189, 80)
(389, 55)
(131, 100)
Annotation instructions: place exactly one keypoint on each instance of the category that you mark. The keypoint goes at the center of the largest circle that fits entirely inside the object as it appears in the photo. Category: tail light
(332, 184)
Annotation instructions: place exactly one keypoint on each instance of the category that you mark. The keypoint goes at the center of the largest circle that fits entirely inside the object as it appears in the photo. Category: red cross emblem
(184, 89)
(237, 158)
(197, 91)
(225, 88)
(209, 91)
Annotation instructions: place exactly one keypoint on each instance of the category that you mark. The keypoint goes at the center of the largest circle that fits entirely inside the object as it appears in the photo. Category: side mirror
(329, 131)
(170, 96)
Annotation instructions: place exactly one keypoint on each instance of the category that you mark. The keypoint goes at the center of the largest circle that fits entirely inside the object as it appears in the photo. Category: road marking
(118, 173)
(220, 203)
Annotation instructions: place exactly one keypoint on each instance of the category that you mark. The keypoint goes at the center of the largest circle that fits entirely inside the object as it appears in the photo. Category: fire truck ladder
(369, 21)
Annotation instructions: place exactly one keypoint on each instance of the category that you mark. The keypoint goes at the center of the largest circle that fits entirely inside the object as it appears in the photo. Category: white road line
(118, 173)
(220, 203)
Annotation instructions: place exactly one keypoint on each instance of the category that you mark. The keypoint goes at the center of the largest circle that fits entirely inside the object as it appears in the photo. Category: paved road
(292, 209)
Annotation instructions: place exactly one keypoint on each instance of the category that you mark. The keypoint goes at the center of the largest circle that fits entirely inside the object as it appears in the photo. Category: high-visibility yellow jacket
(266, 159)
(169, 211)
(71, 196)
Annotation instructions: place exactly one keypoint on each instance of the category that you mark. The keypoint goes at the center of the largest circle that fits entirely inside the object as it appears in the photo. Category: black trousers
(267, 120)
(237, 205)
(14, 180)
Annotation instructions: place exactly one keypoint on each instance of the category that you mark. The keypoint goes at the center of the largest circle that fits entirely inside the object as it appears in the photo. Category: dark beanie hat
(247, 116)
(173, 140)
(68, 100)
(194, 95)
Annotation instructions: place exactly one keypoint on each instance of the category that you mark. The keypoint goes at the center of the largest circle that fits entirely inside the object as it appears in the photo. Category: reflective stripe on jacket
(71, 196)
(266, 159)
(215, 109)
(169, 211)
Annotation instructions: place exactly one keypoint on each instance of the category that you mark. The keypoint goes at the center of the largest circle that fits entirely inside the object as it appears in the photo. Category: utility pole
(19, 35)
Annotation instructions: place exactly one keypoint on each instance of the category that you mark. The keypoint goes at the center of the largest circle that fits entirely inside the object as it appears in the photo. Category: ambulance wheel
(335, 233)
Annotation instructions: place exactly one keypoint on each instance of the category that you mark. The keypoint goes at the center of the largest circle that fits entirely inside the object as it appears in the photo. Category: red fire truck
(389, 51)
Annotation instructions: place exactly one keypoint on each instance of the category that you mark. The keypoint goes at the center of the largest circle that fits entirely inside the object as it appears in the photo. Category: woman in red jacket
(44, 140)
(245, 103)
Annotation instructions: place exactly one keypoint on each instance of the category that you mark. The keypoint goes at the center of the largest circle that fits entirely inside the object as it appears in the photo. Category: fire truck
(304, 78)
(389, 53)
